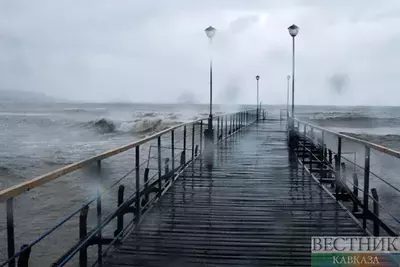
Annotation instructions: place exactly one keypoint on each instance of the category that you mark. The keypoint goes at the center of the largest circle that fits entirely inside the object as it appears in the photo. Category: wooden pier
(272, 185)
(256, 207)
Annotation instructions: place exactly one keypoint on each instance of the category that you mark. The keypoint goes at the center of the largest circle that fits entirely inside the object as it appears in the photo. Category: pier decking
(255, 207)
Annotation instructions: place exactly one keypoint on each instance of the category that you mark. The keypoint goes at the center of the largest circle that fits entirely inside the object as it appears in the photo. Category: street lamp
(210, 32)
(257, 78)
(293, 31)
(287, 96)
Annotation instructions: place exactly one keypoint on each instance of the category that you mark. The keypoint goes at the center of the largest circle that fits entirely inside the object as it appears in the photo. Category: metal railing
(152, 177)
(325, 153)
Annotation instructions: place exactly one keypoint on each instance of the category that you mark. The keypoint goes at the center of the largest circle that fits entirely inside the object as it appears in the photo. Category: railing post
(82, 234)
(159, 166)
(376, 211)
(233, 123)
(226, 125)
(337, 167)
(217, 127)
(323, 145)
(304, 142)
(366, 186)
(99, 212)
(10, 231)
(23, 259)
(230, 123)
(355, 191)
(184, 142)
(120, 217)
(173, 149)
(146, 185)
(137, 172)
(222, 127)
(193, 130)
(201, 136)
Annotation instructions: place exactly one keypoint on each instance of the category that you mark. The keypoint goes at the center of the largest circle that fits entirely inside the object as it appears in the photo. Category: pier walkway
(256, 207)
(157, 203)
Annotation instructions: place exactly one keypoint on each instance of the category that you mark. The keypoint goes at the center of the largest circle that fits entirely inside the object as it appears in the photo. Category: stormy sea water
(38, 138)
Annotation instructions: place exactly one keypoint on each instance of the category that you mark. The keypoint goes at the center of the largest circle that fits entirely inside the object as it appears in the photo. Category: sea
(37, 138)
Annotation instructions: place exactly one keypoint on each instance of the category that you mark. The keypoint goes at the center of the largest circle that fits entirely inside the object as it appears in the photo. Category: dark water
(37, 138)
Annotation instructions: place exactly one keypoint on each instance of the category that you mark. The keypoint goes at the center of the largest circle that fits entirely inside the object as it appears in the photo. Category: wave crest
(146, 126)
(102, 125)
(352, 119)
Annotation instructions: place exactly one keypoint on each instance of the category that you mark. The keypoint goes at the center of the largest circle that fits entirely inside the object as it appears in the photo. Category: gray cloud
(153, 50)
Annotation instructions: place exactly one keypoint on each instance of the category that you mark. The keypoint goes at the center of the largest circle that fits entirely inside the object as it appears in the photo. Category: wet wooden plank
(254, 208)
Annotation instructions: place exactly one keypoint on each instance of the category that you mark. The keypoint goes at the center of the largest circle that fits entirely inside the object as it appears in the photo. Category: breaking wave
(352, 119)
(138, 126)
(102, 125)
(147, 126)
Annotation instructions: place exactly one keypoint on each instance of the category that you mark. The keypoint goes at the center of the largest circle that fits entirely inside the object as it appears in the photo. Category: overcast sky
(347, 52)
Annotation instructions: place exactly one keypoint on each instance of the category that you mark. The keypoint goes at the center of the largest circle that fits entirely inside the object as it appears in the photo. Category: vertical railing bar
(173, 149)
(230, 123)
(366, 186)
(184, 143)
(82, 234)
(10, 231)
(226, 125)
(137, 168)
(217, 127)
(193, 129)
(222, 127)
(159, 166)
(201, 136)
(99, 245)
(337, 167)
(304, 141)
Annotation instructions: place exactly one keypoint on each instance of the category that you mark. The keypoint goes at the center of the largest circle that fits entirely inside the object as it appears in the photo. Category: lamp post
(257, 78)
(293, 31)
(209, 132)
(287, 96)
(210, 32)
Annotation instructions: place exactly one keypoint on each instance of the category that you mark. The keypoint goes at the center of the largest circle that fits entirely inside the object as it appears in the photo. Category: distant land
(21, 96)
